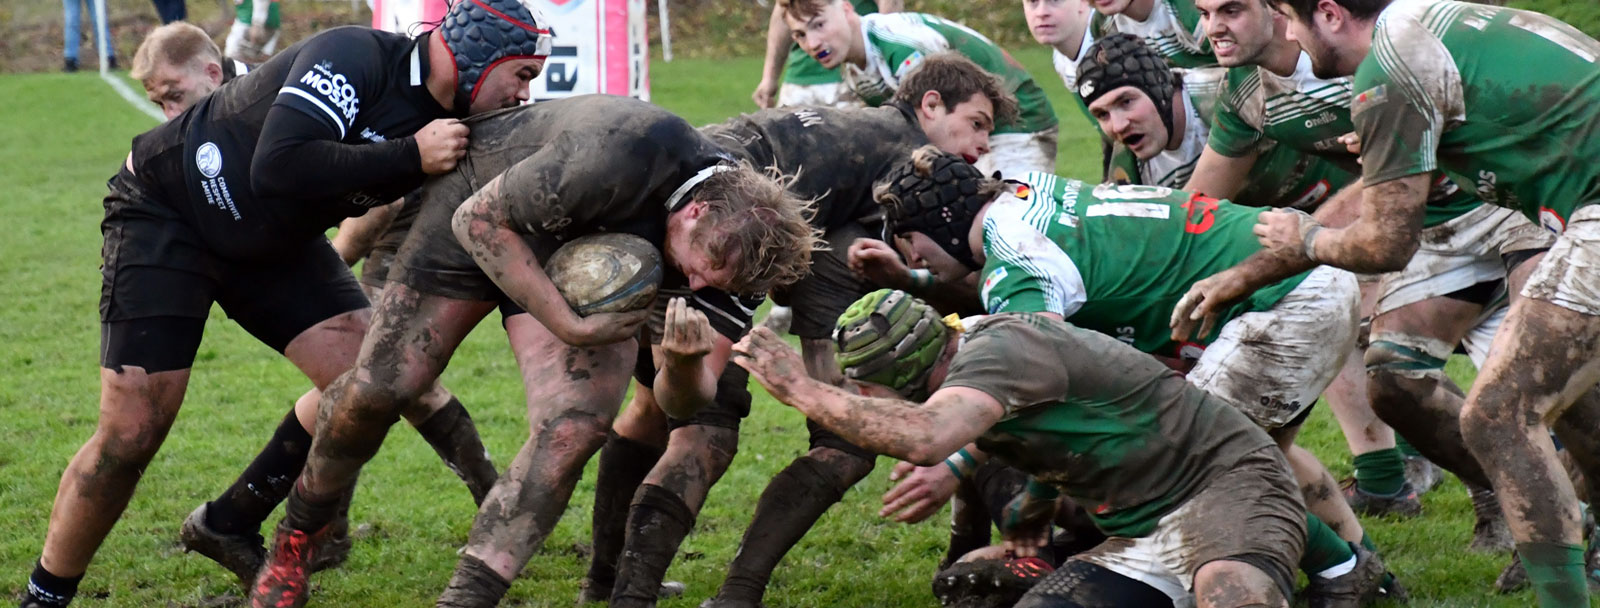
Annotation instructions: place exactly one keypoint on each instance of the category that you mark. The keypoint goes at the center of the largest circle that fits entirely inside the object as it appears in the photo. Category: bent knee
(581, 431)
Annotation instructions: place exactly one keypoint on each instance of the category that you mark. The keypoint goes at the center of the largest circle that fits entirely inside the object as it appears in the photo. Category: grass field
(65, 135)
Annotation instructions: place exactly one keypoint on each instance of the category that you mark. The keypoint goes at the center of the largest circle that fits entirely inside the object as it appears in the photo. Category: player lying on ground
(227, 203)
(836, 157)
(1525, 141)
(180, 65)
(876, 51)
(539, 176)
(1115, 259)
(1194, 496)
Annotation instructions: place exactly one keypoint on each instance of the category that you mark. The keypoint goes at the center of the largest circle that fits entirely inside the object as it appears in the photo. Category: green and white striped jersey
(1172, 30)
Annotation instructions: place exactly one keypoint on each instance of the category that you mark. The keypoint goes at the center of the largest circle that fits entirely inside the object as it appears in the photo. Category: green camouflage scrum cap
(890, 338)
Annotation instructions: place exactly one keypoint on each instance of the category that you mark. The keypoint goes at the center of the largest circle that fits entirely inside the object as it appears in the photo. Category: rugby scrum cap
(482, 33)
(890, 338)
(1123, 60)
(938, 194)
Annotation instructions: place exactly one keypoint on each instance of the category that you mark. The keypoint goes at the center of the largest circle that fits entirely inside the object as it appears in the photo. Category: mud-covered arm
(920, 434)
(357, 235)
(693, 356)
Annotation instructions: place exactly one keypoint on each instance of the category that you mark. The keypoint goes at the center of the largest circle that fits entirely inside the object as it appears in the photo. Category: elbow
(1393, 255)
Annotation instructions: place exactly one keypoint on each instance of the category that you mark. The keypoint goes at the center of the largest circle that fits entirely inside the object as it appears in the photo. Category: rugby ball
(612, 272)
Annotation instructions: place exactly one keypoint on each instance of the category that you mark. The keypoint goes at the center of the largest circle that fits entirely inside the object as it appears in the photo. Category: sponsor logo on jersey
(1189, 351)
(209, 159)
(1487, 181)
(1023, 192)
(1369, 98)
(368, 134)
(333, 87)
(1324, 118)
(995, 276)
(808, 118)
(1156, 211)
(910, 62)
(1551, 220)
(1312, 195)
(1126, 334)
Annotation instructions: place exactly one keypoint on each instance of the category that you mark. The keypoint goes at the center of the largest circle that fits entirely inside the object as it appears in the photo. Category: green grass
(66, 134)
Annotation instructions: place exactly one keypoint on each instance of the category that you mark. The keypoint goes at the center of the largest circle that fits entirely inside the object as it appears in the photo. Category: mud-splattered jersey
(1172, 30)
(1260, 110)
(1114, 259)
(1114, 429)
(801, 69)
(897, 42)
(1505, 100)
(835, 155)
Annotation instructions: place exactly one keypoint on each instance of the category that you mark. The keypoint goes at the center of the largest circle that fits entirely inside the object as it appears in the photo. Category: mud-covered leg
(1232, 584)
(631, 451)
(1542, 360)
(664, 509)
(793, 501)
(1317, 486)
(573, 394)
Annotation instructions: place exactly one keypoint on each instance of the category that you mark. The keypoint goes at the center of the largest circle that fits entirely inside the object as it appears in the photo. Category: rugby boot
(1353, 589)
(1490, 534)
(1403, 503)
(334, 548)
(1422, 474)
(590, 593)
(1513, 578)
(988, 583)
(285, 580)
(241, 554)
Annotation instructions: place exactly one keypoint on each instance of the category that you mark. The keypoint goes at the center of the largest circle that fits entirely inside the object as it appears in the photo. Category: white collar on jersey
(674, 201)
(416, 65)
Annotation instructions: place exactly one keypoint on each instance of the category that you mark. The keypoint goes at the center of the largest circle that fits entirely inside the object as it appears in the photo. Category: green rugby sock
(1381, 472)
(1556, 571)
(1324, 549)
(1406, 449)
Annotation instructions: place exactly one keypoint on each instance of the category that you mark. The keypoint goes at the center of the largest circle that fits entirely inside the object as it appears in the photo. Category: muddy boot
(1353, 589)
(988, 583)
(1490, 534)
(1403, 503)
(474, 585)
(241, 554)
(1513, 578)
(1422, 474)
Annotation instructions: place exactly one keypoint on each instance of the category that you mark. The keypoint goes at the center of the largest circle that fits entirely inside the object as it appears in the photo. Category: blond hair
(176, 44)
(757, 228)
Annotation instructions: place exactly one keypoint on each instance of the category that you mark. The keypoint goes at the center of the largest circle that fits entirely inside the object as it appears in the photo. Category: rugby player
(255, 30)
(228, 202)
(532, 179)
(804, 82)
(1443, 296)
(836, 156)
(1158, 120)
(1062, 25)
(1171, 27)
(1198, 504)
(876, 52)
(178, 64)
(1113, 259)
(1523, 143)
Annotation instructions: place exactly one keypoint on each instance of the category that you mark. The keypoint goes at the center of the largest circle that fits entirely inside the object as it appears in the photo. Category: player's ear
(214, 73)
(932, 103)
(1331, 12)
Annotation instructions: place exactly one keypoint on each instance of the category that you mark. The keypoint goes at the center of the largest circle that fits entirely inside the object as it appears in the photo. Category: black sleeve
(297, 157)
(299, 153)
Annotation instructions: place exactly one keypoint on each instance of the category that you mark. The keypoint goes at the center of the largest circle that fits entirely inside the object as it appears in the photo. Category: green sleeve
(1231, 136)
(1395, 115)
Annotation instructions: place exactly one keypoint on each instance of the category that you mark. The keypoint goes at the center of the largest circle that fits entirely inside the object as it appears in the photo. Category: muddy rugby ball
(611, 272)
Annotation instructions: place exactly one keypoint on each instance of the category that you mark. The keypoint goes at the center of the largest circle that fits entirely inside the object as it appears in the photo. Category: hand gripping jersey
(1259, 110)
(897, 42)
(1173, 30)
(1114, 259)
(1280, 177)
(1503, 100)
(835, 155)
(1126, 437)
(278, 155)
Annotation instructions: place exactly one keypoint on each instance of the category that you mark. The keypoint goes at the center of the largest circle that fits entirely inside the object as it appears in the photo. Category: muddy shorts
(830, 287)
(1253, 513)
(375, 269)
(1013, 154)
(1272, 364)
(730, 317)
(159, 280)
(835, 94)
(1569, 276)
(1461, 253)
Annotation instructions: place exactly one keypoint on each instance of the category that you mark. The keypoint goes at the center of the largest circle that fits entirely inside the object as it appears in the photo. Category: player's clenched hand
(771, 360)
(766, 94)
(602, 328)
(876, 261)
(441, 143)
(1352, 142)
(1203, 303)
(687, 333)
(920, 493)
